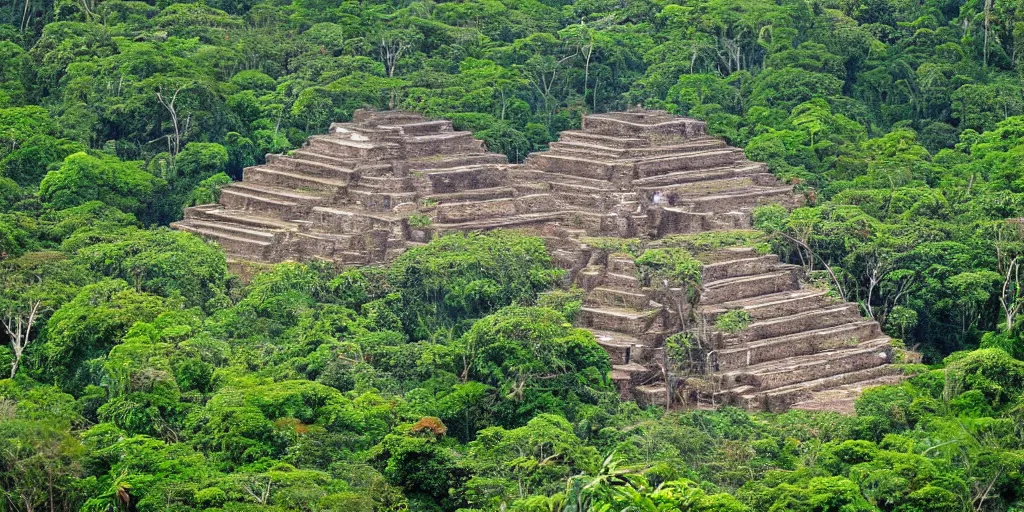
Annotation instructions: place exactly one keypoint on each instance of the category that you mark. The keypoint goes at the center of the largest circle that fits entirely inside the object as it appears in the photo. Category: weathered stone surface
(368, 189)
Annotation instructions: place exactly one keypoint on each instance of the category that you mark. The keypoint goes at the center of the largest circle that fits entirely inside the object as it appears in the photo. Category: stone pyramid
(372, 188)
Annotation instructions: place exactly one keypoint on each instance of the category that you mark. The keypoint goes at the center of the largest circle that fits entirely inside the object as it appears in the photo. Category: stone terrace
(370, 189)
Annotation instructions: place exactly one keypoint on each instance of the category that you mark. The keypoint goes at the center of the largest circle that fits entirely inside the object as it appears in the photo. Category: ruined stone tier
(800, 348)
(366, 190)
(369, 189)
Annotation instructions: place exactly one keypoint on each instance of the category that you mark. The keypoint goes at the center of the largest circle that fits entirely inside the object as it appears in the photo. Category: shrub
(123, 185)
(732, 321)
(467, 275)
(674, 265)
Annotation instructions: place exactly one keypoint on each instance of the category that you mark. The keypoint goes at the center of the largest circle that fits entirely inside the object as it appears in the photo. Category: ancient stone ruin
(387, 181)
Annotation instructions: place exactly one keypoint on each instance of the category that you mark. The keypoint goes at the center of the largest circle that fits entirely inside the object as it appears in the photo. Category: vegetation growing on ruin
(671, 266)
(732, 321)
(145, 378)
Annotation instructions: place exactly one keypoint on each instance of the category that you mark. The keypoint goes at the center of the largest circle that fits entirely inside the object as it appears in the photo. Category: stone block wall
(370, 188)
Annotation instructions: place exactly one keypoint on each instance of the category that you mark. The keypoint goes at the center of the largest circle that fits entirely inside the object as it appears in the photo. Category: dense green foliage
(145, 378)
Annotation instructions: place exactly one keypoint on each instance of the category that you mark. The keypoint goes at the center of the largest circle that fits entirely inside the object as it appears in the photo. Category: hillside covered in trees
(145, 377)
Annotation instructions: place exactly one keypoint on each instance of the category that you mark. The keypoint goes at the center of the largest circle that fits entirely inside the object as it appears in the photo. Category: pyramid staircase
(387, 181)
(797, 341)
(630, 325)
(347, 196)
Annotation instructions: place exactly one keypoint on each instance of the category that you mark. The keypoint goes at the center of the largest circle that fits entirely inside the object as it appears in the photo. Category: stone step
(583, 188)
(309, 155)
(379, 169)
(616, 298)
(419, 146)
(236, 230)
(475, 210)
(509, 222)
(618, 264)
(261, 175)
(328, 246)
(246, 198)
(621, 281)
(691, 146)
(726, 254)
(587, 197)
(650, 150)
(735, 288)
(590, 276)
(621, 348)
(689, 161)
(521, 174)
(634, 373)
(598, 224)
(377, 201)
(314, 168)
(582, 149)
(385, 183)
(479, 210)
(566, 259)
(691, 176)
(652, 395)
(276, 193)
(678, 194)
(739, 267)
(421, 127)
(458, 179)
(609, 141)
(350, 220)
(669, 195)
(775, 305)
(479, 194)
(794, 370)
(455, 161)
(644, 123)
(627, 321)
(572, 165)
(366, 133)
(798, 322)
(373, 247)
(835, 395)
(601, 225)
(674, 220)
(241, 242)
(742, 199)
(440, 138)
(527, 189)
(593, 202)
(623, 385)
(216, 213)
(802, 343)
(781, 398)
(346, 148)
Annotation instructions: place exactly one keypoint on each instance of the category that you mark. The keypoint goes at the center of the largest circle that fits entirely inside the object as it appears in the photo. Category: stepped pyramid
(386, 181)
